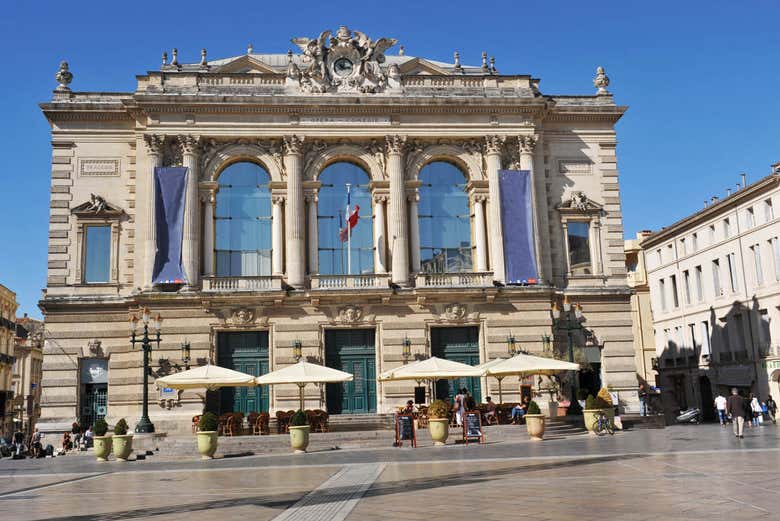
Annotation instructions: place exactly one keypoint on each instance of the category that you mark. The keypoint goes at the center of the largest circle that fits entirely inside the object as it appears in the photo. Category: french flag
(352, 221)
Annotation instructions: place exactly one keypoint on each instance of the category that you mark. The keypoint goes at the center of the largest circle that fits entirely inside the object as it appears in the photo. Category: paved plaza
(680, 473)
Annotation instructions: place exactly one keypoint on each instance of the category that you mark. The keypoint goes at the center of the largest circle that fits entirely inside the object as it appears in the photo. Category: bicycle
(603, 425)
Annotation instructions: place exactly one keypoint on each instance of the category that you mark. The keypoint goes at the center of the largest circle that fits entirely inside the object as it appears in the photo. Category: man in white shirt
(720, 405)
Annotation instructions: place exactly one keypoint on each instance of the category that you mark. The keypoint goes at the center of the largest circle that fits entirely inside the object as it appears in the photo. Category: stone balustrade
(365, 281)
(448, 280)
(231, 284)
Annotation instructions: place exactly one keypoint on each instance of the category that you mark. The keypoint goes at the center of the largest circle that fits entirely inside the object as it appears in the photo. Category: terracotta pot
(122, 445)
(101, 446)
(299, 438)
(534, 423)
(562, 411)
(207, 444)
(440, 430)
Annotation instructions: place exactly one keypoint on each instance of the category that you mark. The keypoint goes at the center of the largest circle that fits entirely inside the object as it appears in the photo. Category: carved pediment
(97, 207)
(247, 65)
(578, 202)
(421, 67)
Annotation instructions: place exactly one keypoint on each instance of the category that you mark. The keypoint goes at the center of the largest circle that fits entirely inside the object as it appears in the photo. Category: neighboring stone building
(641, 313)
(271, 144)
(715, 289)
(8, 308)
(27, 371)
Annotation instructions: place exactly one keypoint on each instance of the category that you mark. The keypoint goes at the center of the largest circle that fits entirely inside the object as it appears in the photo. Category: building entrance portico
(459, 344)
(247, 352)
(352, 351)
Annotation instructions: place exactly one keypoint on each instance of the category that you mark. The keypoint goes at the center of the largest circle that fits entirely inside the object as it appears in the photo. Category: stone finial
(203, 62)
(250, 49)
(63, 77)
(401, 51)
(457, 62)
(484, 62)
(493, 69)
(601, 81)
(175, 58)
(165, 59)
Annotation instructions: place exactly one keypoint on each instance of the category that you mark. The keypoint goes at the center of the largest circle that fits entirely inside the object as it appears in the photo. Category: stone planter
(589, 417)
(101, 445)
(122, 445)
(299, 438)
(440, 430)
(207, 444)
(534, 423)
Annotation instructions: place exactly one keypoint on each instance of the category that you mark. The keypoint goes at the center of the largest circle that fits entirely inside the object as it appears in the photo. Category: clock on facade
(342, 67)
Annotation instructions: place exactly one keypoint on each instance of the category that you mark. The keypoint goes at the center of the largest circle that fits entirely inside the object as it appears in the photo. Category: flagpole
(349, 237)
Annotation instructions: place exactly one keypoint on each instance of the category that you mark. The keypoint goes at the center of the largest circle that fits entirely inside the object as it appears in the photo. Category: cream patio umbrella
(206, 376)
(487, 365)
(431, 369)
(303, 373)
(524, 365)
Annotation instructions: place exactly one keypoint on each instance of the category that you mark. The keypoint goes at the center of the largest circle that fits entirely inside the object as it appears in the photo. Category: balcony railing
(365, 281)
(459, 280)
(231, 284)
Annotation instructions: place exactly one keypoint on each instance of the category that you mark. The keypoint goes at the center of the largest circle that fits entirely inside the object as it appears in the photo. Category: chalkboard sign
(472, 427)
(404, 430)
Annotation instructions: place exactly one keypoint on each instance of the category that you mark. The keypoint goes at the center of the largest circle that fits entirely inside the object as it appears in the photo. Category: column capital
(278, 199)
(494, 144)
(413, 197)
(293, 145)
(380, 198)
(189, 144)
(526, 144)
(311, 197)
(395, 144)
(154, 143)
(479, 197)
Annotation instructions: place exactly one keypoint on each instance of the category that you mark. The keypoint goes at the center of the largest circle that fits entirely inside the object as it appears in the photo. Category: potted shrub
(101, 444)
(439, 421)
(122, 442)
(299, 432)
(534, 421)
(605, 403)
(207, 435)
(594, 405)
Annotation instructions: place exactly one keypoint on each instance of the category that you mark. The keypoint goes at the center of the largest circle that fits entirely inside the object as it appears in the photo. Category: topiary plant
(208, 422)
(604, 399)
(533, 408)
(591, 402)
(101, 427)
(299, 419)
(120, 429)
(439, 409)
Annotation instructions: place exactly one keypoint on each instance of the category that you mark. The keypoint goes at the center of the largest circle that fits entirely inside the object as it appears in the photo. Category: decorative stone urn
(534, 423)
(122, 445)
(590, 416)
(299, 438)
(440, 430)
(101, 445)
(207, 444)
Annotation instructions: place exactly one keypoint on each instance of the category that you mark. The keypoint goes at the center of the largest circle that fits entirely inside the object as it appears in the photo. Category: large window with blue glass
(444, 221)
(97, 258)
(243, 221)
(344, 188)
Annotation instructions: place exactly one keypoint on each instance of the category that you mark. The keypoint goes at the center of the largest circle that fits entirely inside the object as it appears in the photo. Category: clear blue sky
(701, 79)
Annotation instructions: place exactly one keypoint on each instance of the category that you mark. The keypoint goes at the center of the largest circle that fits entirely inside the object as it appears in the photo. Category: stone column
(277, 232)
(189, 248)
(295, 233)
(399, 244)
(312, 233)
(209, 201)
(154, 145)
(380, 241)
(479, 232)
(414, 230)
(527, 145)
(493, 147)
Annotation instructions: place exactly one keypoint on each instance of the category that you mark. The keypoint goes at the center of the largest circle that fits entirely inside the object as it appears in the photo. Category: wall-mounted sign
(94, 371)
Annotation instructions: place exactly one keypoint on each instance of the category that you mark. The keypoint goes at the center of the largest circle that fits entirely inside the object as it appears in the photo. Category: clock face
(342, 67)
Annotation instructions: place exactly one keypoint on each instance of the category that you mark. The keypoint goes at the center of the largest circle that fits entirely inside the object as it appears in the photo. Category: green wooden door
(353, 351)
(247, 352)
(459, 344)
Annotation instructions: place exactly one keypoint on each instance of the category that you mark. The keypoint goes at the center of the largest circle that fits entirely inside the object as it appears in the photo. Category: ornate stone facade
(344, 98)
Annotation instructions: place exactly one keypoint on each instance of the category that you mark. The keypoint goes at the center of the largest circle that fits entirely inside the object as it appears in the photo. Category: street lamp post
(145, 425)
(297, 350)
(569, 320)
(186, 350)
(406, 352)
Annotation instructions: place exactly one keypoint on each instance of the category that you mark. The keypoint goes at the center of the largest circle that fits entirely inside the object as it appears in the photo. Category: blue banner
(170, 193)
(517, 219)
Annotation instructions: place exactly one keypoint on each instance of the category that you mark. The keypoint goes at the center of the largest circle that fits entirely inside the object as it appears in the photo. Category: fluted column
(294, 225)
(209, 200)
(493, 147)
(479, 232)
(190, 254)
(312, 233)
(414, 230)
(154, 152)
(380, 240)
(527, 145)
(399, 244)
(277, 233)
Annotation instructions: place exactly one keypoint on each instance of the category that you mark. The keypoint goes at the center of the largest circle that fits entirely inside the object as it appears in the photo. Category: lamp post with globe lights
(144, 424)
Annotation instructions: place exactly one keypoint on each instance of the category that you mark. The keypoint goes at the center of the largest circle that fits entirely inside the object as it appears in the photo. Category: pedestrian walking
(771, 409)
(720, 405)
(755, 409)
(458, 407)
(735, 406)
(748, 411)
(643, 399)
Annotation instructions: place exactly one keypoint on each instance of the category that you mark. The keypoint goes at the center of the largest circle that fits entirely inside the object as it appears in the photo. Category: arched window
(332, 217)
(243, 221)
(445, 229)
